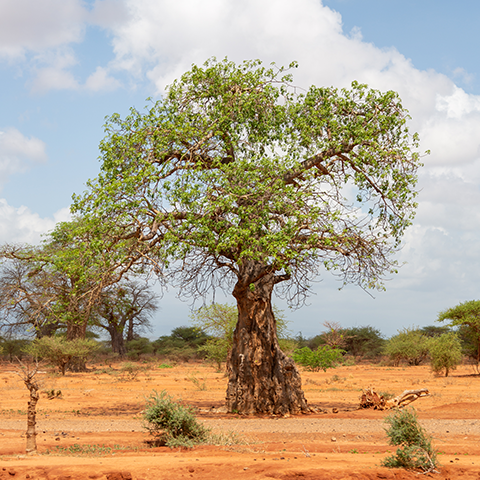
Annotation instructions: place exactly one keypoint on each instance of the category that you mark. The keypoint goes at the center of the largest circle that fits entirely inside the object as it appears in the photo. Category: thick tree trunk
(76, 330)
(262, 379)
(118, 343)
(130, 330)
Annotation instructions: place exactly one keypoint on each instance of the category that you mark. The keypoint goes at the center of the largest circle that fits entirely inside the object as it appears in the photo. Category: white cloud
(108, 13)
(458, 104)
(101, 80)
(39, 24)
(52, 71)
(21, 225)
(17, 151)
(40, 33)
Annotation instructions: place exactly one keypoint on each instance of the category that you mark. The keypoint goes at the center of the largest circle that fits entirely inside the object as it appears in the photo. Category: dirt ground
(92, 429)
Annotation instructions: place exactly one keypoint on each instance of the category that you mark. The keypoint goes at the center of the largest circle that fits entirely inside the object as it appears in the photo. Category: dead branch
(371, 399)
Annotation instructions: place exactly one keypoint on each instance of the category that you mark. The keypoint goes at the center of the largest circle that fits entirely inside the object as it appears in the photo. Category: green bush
(139, 346)
(363, 342)
(172, 424)
(445, 352)
(409, 345)
(216, 350)
(182, 344)
(470, 342)
(322, 358)
(13, 347)
(416, 451)
(61, 352)
(288, 345)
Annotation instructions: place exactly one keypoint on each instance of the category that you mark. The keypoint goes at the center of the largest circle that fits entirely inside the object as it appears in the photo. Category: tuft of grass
(200, 384)
(415, 450)
(87, 450)
(165, 365)
(175, 425)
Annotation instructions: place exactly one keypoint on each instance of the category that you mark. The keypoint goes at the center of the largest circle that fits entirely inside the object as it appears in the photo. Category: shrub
(181, 345)
(172, 424)
(363, 341)
(470, 342)
(62, 352)
(322, 358)
(137, 347)
(288, 345)
(409, 345)
(416, 451)
(13, 347)
(445, 352)
(216, 350)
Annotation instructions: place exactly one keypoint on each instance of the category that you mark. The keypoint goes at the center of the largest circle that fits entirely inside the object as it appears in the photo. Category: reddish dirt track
(94, 431)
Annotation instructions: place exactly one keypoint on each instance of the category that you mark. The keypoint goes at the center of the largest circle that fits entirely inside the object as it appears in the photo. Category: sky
(67, 64)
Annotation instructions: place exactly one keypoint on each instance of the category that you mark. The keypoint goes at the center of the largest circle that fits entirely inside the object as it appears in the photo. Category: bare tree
(27, 373)
(125, 309)
(59, 283)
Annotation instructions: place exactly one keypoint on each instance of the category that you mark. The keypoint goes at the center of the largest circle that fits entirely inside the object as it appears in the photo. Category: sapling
(27, 374)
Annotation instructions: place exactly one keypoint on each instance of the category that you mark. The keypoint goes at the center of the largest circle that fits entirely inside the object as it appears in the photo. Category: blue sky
(66, 64)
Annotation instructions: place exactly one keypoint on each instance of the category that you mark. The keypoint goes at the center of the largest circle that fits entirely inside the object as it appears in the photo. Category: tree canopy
(234, 164)
(466, 314)
(238, 179)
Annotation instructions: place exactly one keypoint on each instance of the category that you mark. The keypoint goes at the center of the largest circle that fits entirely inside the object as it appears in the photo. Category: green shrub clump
(409, 345)
(322, 358)
(416, 451)
(61, 352)
(171, 423)
(445, 353)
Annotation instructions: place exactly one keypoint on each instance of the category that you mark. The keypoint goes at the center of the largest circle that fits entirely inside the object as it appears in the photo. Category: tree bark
(130, 330)
(117, 340)
(27, 374)
(262, 379)
(76, 330)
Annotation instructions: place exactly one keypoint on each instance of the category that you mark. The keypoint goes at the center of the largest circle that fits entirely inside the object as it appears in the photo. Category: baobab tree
(238, 180)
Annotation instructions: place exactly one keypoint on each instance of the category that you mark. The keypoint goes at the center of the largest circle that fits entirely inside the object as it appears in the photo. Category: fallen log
(371, 399)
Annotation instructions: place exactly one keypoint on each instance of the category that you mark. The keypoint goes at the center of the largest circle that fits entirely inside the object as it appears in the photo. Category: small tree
(124, 309)
(27, 373)
(139, 346)
(216, 350)
(322, 358)
(13, 347)
(445, 352)
(416, 451)
(61, 352)
(409, 345)
(465, 314)
(334, 336)
(364, 341)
